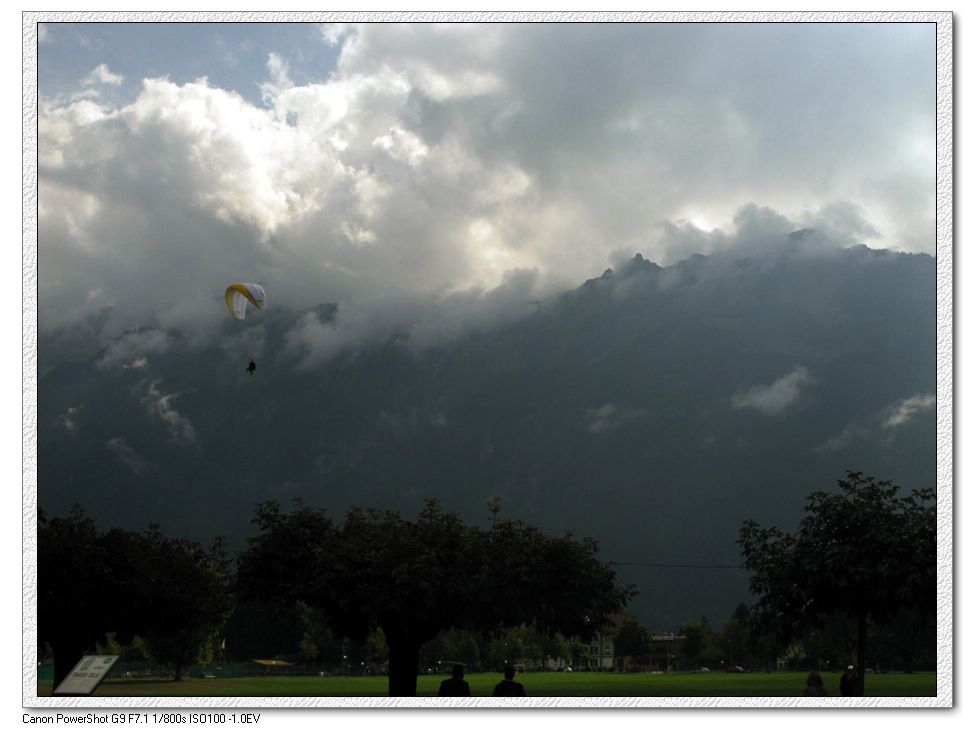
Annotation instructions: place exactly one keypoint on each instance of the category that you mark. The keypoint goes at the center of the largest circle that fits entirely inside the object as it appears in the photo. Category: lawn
(543, 684)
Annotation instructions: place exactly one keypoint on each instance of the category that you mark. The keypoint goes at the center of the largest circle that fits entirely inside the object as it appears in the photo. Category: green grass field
(545, 684)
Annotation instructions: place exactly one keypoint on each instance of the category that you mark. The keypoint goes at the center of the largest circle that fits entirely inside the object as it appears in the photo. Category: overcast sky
(485, 164)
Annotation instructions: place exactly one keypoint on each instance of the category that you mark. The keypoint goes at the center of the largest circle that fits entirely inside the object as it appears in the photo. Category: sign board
(86, 676)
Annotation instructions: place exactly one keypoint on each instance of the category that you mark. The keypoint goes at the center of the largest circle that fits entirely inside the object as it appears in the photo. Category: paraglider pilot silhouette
(238, 296)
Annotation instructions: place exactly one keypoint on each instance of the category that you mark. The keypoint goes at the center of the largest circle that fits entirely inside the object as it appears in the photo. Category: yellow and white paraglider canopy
(238, 296)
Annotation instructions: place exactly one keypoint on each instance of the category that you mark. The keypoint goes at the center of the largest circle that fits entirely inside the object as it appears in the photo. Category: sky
(400, 168)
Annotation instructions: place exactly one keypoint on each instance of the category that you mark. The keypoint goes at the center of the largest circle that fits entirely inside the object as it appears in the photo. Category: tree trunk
(67, 653)
(861, 666)
(404, 655)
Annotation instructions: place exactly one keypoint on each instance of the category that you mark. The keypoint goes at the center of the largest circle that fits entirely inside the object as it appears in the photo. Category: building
(666, 648)
(269, 667)
(598, 652)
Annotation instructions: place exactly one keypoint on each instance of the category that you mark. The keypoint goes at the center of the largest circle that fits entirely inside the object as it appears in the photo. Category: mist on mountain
(651, 408)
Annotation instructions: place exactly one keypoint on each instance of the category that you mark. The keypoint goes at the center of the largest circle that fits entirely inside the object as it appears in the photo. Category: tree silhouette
(697, 638)
(190, 600)
(76, 589)
(865, 552)
(413, 579)
(633, 640)
(90, 583)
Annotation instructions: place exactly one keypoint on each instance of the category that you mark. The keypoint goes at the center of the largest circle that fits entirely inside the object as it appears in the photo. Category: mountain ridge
(652, 408)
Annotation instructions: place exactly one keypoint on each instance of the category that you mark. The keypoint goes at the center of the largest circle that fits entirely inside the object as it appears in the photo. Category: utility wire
(674, 565)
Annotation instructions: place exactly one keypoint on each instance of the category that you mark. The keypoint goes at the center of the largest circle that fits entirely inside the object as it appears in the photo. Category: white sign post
(86, 676)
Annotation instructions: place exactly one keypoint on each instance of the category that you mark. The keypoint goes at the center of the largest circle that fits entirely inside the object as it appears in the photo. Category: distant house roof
(270, 662)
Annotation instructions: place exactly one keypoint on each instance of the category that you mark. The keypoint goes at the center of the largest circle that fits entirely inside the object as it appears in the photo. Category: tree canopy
(864, 552)
(633, 640)
(90, 583)
(415, 578)
(190, 600)
(697, 638)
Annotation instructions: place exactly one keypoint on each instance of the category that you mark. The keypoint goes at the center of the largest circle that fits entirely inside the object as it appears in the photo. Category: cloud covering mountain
(382, 166)
(653, 408)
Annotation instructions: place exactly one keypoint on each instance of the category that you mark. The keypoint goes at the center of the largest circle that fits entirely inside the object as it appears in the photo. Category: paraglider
(238, 297)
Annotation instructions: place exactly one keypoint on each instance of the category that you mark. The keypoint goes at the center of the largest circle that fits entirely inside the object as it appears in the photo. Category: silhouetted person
(848, 682)
(455, 686)
(814, 686)
(251, 367)
(508, 687)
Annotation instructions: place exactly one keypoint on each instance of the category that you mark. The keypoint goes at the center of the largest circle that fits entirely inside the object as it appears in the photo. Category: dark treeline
(905, 644)
(376, 592)
(170, 592)
(311, 583)
(862, 556)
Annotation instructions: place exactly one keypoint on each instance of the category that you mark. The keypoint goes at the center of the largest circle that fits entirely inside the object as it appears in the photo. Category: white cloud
(127, 455)
(774, 399)
(102, 75)
(402, 146)
(416, 323)
(278, 68)
(132, 349)
(903, 411)
(880, 428)
(437, 159)
(850, 434)
(163, 406)
(610, 417)
(69, 419)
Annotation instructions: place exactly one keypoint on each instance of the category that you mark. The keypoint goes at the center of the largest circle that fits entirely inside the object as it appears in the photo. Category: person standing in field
(508, 687)
(455, 686)
(814, 686)
(848, 682)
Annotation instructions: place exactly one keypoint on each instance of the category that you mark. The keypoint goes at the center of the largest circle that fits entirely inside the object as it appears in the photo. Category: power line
(680, 565)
